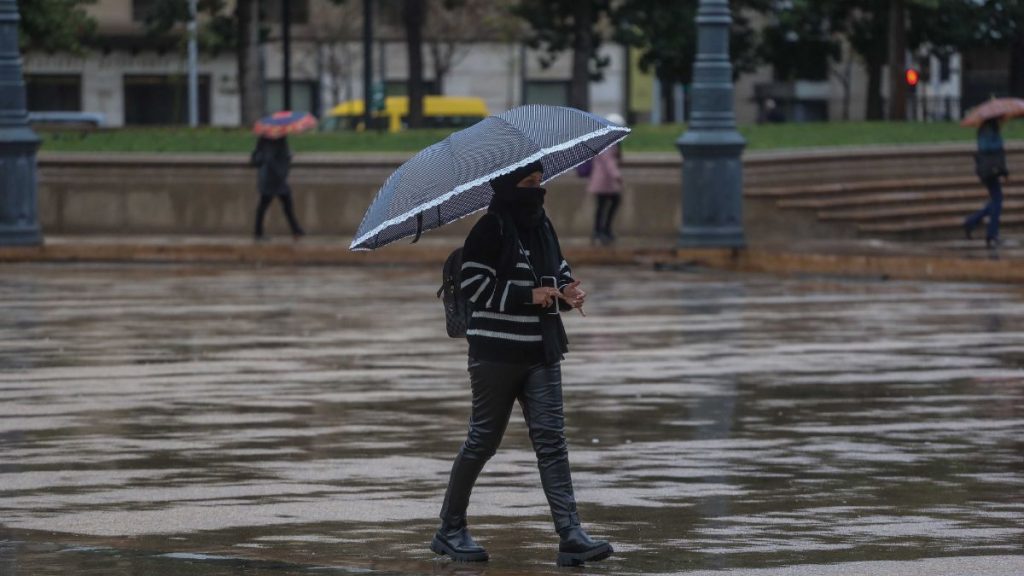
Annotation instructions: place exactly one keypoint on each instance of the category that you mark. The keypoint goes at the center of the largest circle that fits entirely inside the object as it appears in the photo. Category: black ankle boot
(458, 544)
(576, 547)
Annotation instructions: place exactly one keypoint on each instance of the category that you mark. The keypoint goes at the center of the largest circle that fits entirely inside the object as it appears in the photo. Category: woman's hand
(546, 296)
(574, 295)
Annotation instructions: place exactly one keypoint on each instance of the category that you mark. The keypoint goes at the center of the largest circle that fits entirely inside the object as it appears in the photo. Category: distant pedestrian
(990, 166)
(273, 158)
(771, 113)
(605, 184)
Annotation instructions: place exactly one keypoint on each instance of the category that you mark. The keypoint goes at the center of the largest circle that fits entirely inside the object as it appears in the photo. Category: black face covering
(524, 221)
(525, 205)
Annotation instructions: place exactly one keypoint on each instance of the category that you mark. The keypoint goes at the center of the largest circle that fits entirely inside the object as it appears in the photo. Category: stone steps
(904, 210)
(833, 189)
(892, 197)
(933, 224)
(890, 206)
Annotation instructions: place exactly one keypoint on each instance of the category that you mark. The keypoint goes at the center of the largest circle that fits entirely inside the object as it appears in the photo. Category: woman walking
(516, 281)
(990, 165)
(605, 184)
(273, 158)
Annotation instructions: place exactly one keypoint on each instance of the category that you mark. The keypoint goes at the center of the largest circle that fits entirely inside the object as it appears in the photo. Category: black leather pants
(496, 386)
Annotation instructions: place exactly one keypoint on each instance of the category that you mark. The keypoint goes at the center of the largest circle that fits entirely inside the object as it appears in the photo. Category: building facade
(136, 79)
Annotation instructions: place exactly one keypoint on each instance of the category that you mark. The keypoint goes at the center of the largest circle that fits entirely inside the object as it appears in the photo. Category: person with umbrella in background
(990, 161)
(514, 280)
(273, 158)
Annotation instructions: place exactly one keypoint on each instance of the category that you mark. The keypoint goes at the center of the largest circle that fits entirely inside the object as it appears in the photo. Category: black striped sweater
(504, 324)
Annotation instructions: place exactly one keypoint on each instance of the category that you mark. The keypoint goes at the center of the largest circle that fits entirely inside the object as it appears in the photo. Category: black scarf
(525, 223)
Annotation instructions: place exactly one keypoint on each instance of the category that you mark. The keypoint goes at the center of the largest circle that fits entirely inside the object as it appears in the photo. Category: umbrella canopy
(450, 179)
(995, 108)
(283, 123)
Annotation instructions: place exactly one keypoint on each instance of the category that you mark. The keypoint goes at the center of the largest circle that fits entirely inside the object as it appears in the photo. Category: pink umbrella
(1004, 108)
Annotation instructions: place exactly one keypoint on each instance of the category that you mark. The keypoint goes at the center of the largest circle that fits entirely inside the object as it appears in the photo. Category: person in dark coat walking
(990, 166)
(273, 158)
(515, 281)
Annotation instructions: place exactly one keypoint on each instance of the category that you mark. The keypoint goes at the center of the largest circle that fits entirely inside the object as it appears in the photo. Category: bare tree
(333, 28)
(583, 47)
(250, 80)
(897, 61)
(453, 27)
(413, 15)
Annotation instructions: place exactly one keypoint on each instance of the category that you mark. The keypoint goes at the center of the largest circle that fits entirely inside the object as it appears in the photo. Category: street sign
(377, 97)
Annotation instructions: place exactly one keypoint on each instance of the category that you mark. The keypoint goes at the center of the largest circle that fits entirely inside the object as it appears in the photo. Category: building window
(141, 9)
(298, 10)
(554, 92)
(304, 96)
(163, 99)
(53, 92)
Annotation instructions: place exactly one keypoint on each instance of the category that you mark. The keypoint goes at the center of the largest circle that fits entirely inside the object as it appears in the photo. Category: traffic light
(912, 77)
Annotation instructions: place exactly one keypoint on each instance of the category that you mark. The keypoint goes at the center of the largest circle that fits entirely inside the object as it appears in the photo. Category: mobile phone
(552, 282)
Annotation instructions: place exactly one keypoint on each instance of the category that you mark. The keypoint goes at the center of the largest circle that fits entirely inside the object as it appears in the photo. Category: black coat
(274, 159)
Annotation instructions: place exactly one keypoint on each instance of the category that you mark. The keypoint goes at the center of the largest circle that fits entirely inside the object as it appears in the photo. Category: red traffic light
(912, 77)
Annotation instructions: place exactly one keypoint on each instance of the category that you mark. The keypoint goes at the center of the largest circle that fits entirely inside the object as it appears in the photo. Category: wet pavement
(175, 420)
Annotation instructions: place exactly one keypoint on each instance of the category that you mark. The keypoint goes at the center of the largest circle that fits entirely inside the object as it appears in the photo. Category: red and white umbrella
(1004, 108)
(284, 123)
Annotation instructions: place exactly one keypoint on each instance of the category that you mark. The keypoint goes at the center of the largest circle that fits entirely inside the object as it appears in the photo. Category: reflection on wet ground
(159, 420)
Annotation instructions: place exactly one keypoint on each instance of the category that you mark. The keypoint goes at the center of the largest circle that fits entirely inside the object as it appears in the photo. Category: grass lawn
(643, 139)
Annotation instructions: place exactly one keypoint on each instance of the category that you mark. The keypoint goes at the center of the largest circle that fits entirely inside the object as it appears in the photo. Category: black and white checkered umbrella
(450, 179)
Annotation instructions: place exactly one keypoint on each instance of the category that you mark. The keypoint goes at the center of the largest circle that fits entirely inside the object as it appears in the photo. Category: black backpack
(586, 169)
(456, 307)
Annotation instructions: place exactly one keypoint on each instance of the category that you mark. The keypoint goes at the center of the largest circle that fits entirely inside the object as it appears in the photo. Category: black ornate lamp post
(19, 223)
(711, 146)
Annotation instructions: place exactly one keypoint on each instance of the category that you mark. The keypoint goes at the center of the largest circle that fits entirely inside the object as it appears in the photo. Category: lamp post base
(712, 189)
(21, 236)
(19, 223)
(711, 237)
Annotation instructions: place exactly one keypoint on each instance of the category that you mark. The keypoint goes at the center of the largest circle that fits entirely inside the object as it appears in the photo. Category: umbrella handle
(419, 228)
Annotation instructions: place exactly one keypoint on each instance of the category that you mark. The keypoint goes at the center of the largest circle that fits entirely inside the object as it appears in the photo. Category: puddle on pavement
(166, 420)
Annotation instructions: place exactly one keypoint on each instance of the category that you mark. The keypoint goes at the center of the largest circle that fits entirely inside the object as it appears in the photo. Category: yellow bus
(438, 112)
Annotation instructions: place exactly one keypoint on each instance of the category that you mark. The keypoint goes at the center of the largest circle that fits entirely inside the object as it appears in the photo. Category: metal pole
(712, 192)
(19, 222)
(286, 47)
(193, 65)
(656, 101)
(367, 63)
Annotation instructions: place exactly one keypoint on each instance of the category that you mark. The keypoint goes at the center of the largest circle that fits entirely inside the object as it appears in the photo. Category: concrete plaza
(302, 420)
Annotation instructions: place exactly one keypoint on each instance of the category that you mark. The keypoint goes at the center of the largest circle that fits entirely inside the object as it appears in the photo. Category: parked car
(438, 112)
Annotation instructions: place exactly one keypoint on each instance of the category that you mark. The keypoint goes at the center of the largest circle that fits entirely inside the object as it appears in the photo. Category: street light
(19, 223)
(712, 193)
